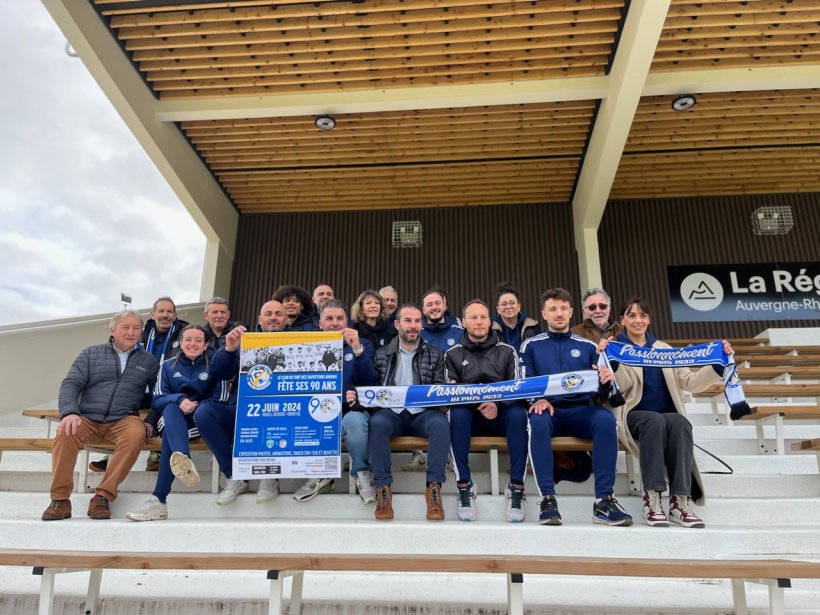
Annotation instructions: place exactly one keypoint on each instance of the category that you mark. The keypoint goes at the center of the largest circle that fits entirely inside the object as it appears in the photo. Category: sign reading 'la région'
(760, 291)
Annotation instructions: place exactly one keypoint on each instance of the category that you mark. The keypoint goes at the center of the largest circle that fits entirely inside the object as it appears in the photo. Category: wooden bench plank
(801, 372)
(402, 444)
(770, 360)
(807, 445)
(789, 412)
(767, 390)
(53, 414)
(409, 562)
(49, 563)
(738, 341)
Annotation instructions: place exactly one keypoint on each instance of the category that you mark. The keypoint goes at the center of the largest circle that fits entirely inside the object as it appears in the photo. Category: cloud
(86, 215)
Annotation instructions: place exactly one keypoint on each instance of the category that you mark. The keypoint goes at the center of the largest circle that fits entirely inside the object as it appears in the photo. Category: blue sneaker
(549, 514)
(607, 511)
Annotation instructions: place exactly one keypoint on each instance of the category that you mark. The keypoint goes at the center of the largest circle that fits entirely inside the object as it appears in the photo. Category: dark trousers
(216, 421)
(467, 421)
(431, 424)
(174, 440)
(665, 440)
(591, 422)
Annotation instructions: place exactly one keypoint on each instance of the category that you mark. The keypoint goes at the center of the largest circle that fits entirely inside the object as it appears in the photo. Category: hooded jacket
(444, 334)
(524, 329)
(303, 322)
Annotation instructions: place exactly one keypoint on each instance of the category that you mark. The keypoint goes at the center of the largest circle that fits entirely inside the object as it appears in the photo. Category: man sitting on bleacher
(558, 351)
(480, 358)
(100, 399)
(405, 361)
(160, 337)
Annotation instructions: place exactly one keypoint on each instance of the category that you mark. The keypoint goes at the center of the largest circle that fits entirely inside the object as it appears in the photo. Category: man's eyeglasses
(592, 306)
(508, 304)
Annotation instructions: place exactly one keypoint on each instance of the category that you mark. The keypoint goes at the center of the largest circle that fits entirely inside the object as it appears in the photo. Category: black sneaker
(549, 514)
(101, 465)
(607, 511)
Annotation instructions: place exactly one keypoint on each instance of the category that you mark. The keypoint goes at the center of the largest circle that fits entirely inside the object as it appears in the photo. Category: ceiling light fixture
(325, 122)
(684, 102)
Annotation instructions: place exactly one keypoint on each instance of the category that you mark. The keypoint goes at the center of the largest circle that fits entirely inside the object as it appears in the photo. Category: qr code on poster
(331, 463)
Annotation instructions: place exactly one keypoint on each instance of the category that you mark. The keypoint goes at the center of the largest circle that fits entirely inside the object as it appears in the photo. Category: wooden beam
(384, 99)
(642, 28)
(163, 142)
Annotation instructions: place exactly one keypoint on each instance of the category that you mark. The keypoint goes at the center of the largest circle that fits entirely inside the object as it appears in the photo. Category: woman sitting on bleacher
(183, 383)
(652, 424)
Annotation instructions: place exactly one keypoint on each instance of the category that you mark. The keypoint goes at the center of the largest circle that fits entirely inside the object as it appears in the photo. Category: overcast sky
(85, 214)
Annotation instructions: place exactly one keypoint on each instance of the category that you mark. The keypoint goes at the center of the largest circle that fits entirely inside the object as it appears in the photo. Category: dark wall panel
(466, 250)
(638, 239)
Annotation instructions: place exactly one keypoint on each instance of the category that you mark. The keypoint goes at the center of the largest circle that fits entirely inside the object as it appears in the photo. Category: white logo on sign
(701, 291)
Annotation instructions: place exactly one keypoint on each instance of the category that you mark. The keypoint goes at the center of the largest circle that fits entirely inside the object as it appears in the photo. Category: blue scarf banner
(710, 353)
(696, 355)
(431, 395)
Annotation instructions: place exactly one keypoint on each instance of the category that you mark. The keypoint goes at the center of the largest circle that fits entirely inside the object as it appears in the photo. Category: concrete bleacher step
(728, 512)
(313, 533)
(796, 477)
(767, 508)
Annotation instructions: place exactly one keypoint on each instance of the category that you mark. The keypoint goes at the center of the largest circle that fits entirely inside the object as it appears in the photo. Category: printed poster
(289, 408)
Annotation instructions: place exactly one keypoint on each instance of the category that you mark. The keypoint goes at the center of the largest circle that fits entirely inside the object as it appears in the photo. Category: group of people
(188, 373)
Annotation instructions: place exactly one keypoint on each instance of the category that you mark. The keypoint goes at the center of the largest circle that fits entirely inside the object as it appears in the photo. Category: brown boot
(435, 511)
(98, 508)
(384, 503)
(57, 510)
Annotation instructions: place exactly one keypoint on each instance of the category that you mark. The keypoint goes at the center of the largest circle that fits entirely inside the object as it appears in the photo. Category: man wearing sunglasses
(598, 322)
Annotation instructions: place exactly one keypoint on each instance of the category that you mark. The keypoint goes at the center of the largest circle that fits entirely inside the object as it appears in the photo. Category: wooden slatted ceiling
(326, 46)
(433, 158)
(729, 143)
(722, 34)
(369, 188)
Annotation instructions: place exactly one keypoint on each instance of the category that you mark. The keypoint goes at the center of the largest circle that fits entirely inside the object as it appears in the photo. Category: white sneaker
(268, 490)
(417, 463)
(516, 504)
(680, 513)
(312, 488)
(183, 468)
(151, 510)
(466, 503)
(365, 486)
(653, 509)
(231, 489)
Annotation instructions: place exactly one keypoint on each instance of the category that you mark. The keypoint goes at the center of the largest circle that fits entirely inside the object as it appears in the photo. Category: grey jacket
(96, 389)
